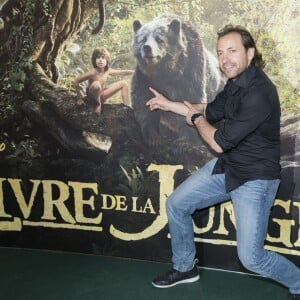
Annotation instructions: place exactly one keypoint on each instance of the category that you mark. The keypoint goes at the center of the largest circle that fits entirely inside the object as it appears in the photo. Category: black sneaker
(174, 277)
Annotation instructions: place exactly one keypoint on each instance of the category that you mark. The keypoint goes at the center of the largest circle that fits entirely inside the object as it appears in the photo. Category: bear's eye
(159, 40)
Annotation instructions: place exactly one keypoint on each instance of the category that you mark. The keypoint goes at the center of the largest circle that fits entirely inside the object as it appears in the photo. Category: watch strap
(195, 116)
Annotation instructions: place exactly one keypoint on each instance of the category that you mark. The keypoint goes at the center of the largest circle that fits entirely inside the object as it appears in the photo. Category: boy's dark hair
(98, 52)
(247, 40)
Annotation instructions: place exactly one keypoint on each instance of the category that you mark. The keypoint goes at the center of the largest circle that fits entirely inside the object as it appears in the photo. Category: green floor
(43, 275)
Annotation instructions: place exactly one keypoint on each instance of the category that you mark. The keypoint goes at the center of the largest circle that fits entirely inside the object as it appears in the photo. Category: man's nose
(224, 58)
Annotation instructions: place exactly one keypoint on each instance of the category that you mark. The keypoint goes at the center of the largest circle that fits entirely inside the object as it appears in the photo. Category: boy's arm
(116, 72)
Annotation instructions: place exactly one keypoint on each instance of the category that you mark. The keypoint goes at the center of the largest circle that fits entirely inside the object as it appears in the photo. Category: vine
(20, 48)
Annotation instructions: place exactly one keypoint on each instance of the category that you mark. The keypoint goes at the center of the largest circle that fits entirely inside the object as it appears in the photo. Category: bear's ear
(175, 25)
(136, 25)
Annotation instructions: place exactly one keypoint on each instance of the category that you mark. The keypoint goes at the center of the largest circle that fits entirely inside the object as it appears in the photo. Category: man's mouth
(227, 68)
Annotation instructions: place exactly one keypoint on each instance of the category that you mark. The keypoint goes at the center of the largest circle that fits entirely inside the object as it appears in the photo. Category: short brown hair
(99, 52)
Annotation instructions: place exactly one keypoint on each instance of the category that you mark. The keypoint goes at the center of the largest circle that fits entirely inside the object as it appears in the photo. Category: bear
(171, 58)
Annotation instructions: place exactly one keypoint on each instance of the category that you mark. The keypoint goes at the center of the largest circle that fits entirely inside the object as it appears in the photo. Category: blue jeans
(252, 202)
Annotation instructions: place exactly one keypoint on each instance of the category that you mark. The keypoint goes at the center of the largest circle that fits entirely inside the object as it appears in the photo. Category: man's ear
(250, 54)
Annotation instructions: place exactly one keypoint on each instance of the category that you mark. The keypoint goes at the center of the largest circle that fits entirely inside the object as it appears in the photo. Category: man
(247, 170)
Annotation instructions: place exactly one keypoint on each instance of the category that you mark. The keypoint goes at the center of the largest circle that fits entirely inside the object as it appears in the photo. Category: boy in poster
(97, 93)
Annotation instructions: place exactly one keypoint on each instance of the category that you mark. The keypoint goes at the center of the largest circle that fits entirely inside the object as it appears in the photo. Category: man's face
(232, 55)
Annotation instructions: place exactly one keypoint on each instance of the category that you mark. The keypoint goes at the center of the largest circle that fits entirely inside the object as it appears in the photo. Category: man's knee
(250, 260)
(174, 204)
(171, 203)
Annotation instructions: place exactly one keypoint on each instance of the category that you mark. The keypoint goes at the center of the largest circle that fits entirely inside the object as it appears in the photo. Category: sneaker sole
(189, 280)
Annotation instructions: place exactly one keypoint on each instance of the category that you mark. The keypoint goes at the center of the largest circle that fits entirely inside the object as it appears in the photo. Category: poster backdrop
(72, 179)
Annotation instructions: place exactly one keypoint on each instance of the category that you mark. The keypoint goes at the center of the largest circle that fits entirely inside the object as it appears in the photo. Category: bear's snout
(151, 54)
(147, 50)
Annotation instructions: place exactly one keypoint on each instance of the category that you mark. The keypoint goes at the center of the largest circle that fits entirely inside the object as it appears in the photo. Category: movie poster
(88, 171)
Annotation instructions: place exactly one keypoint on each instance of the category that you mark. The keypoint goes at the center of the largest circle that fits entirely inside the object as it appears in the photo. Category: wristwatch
(195, 116)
